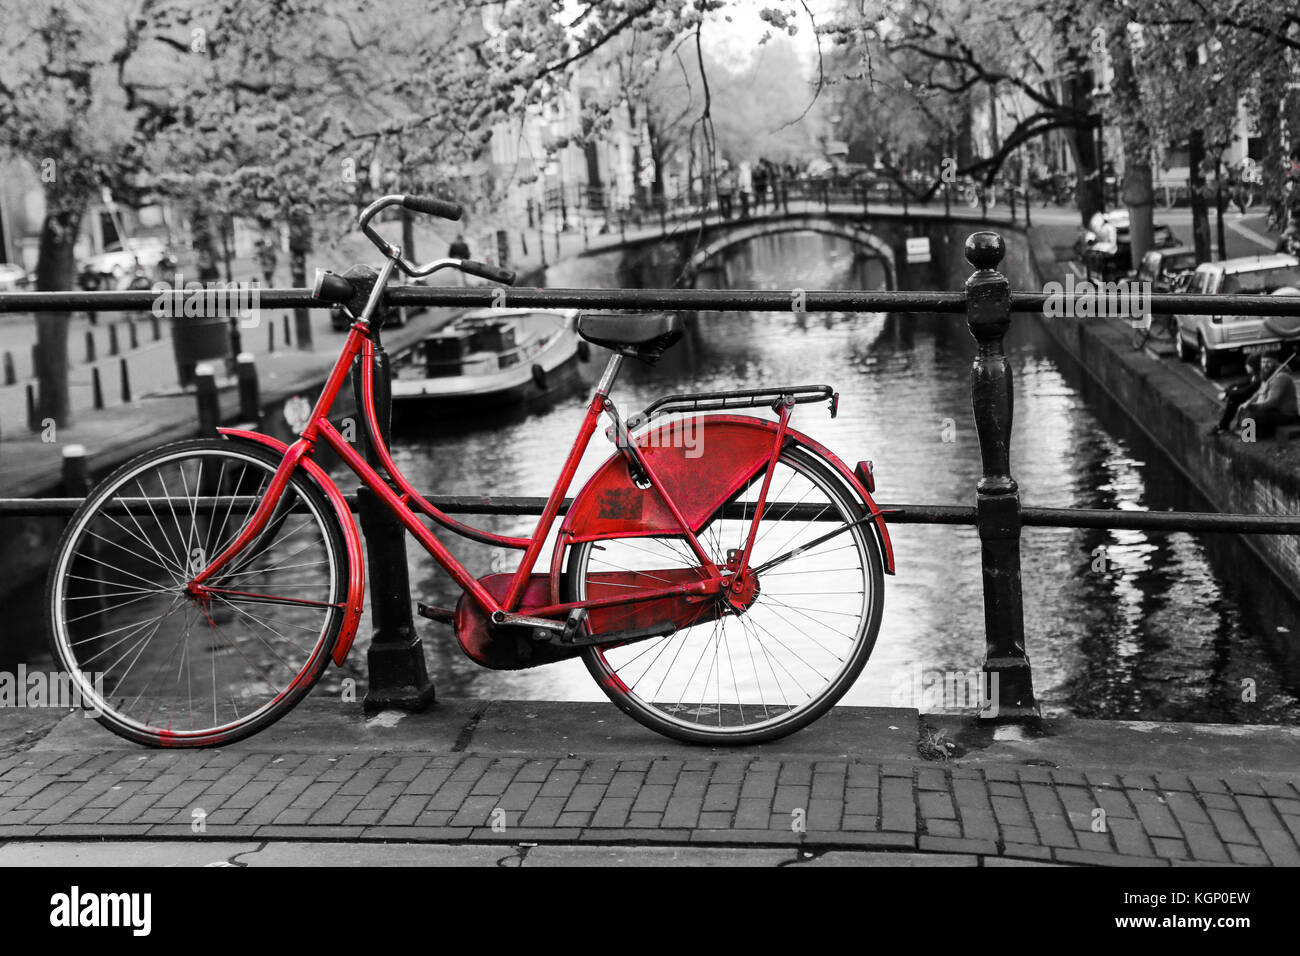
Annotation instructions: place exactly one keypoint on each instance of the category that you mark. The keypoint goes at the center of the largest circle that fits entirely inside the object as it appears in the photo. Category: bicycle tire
(95, 524)
(663, 719)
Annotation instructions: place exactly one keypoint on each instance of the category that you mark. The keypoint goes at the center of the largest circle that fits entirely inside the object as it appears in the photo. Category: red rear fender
(702, 461)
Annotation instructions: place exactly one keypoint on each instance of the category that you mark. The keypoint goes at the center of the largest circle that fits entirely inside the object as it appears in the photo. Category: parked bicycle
(724, 590)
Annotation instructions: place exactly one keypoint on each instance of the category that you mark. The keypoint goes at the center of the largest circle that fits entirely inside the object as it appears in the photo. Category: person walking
(726, 187)
(266, 257)
(760, 185)
(459, 249)
(746, 184)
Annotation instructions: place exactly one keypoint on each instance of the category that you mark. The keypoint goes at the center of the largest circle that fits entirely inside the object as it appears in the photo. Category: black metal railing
(997, 514)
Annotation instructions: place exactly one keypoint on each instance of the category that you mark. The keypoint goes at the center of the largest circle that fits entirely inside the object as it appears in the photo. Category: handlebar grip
(441, 208)
(330, 287)
(485, 271)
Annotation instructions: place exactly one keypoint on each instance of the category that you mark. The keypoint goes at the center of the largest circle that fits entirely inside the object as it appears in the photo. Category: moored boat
(489, 359)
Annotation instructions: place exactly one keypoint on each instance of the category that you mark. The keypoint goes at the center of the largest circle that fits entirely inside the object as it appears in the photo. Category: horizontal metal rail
(1167, 521)
(396, 663)
(710, 300)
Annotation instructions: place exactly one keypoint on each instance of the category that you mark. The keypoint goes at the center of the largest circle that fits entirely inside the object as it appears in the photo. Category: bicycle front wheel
(758, 673)
(161, 666)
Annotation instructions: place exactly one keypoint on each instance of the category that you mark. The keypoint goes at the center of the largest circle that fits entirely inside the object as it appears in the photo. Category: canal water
(1118, 624)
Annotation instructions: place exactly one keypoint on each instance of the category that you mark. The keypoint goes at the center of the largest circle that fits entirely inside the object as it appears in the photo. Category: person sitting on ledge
(1235, 395)
(1273, 404)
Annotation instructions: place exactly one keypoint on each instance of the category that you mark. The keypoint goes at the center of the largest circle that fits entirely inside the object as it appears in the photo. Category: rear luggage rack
(744, 398)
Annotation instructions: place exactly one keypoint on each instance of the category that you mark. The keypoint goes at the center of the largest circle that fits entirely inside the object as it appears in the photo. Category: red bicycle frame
(408, 504)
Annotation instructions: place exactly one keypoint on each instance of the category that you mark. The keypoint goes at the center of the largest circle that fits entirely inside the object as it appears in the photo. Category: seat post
(606, 383)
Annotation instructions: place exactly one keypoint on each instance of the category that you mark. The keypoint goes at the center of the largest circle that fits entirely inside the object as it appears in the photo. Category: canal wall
(1232, 475)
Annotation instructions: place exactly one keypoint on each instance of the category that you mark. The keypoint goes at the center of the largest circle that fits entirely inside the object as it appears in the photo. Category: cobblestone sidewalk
(1025, 812)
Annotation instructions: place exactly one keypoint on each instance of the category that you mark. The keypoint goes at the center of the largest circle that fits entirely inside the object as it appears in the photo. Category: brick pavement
(1024, 812)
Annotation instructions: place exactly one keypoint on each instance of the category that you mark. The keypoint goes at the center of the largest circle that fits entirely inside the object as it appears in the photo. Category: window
(1263, 282)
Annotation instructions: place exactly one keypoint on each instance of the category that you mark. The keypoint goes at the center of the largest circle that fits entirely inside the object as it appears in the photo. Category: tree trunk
(1221, 200)
(1270, 130)
(637, 189)
(299, 247)
(1083, 146)
(657, 159)
(1196, 188)
(204, 239)
(55, 270)
(227, 229)
(1139, 191)
(965, 136)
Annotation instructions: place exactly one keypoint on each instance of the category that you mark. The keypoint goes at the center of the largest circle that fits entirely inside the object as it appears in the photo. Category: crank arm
(510, 619)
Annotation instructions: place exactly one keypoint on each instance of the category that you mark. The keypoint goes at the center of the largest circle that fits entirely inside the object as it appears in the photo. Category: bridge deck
(574, 774)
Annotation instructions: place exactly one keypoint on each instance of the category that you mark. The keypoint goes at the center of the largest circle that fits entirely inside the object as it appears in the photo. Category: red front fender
(351, 538)
(610, 505)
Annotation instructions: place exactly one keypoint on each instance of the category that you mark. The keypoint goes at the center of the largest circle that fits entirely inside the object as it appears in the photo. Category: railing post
(75, 471)
(33, 417)
(250, 405)
(398, 675)
(988, 314)
(207, 399)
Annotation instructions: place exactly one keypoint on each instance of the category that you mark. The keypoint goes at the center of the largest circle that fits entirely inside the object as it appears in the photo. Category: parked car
(1105, 246)
(1217, 340)
(1167, 269)
(114, 267)
(12, 277)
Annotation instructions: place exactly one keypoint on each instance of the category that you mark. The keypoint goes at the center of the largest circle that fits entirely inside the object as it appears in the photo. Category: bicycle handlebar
(485, 271)
(442, 208)
(331, 288)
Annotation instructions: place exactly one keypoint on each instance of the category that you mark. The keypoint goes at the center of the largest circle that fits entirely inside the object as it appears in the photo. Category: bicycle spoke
(121, 606)
(762, 662)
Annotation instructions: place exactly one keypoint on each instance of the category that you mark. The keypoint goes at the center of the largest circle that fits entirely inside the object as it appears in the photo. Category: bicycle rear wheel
(780, 663)
(161, 666)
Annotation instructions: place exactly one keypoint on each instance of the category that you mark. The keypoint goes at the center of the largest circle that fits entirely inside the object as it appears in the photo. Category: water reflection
(1118, 623)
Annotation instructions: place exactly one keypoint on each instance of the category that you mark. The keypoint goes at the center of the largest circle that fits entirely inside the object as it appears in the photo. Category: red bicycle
(721, 575)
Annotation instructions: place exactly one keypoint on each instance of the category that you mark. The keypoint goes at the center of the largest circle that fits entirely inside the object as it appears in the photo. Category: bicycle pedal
(442, 615)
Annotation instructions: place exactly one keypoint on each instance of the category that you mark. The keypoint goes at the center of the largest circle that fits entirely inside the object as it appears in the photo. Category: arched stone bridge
(684, 248)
